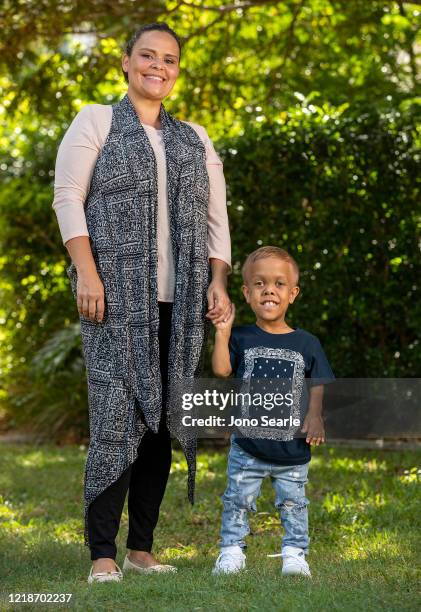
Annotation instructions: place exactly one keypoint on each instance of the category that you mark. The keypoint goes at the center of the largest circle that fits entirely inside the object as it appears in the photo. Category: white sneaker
(231, 560)
(115, 576)
(294, 562)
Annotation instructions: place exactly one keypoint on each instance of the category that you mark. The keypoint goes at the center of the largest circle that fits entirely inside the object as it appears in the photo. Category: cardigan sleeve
(76, 158)
(219, 241)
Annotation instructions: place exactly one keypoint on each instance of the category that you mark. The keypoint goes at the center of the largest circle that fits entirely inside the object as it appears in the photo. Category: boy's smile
(270, 287)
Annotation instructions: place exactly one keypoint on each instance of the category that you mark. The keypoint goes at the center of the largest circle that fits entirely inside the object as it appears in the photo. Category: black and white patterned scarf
(122, 352)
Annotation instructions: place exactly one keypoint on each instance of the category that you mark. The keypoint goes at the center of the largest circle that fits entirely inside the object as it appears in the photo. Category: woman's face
(153, 66)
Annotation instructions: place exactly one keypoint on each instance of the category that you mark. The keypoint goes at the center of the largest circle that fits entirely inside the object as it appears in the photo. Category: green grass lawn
(364, 527)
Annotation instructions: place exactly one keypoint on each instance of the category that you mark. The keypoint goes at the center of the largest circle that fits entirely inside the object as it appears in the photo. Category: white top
(75, 163)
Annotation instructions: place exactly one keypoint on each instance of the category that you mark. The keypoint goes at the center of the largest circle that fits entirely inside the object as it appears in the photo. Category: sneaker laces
(296, 555)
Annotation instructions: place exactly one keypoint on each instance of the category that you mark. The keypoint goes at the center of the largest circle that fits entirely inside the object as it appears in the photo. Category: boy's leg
(245, 474)
(289, 484)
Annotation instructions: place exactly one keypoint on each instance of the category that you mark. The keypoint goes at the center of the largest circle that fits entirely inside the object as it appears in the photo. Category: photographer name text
(218, 421)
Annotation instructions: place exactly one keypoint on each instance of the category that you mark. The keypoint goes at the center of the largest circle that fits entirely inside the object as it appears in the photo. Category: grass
(364, 528)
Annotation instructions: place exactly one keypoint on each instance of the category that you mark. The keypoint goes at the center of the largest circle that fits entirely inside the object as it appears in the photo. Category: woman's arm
(75, 162)
(219, 242)
(76, 159)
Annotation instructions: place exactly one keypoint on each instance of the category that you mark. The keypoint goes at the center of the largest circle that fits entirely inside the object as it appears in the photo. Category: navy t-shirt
(297, 355)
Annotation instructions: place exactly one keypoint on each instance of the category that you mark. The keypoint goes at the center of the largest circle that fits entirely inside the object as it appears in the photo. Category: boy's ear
(246, 293)
(293, 294)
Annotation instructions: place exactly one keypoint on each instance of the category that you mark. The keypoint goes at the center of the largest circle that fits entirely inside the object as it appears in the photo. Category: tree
(247, 68)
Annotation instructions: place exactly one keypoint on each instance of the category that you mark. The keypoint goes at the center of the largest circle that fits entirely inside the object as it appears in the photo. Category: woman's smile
(154, 78)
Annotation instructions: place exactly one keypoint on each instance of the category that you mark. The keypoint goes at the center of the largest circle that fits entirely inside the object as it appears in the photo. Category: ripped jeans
(245, 475)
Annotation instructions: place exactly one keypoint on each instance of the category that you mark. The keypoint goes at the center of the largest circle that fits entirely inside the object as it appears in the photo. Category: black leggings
(145, 479)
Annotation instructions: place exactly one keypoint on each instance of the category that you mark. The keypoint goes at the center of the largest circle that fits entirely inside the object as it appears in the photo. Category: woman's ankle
(104, 564)
(141, 557)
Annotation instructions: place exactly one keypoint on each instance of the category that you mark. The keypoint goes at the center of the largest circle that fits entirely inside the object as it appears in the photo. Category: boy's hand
(225, 326)
(314, 427)
(221, 362)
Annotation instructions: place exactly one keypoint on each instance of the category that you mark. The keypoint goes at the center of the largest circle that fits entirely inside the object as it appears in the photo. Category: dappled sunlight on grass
(264, 521)
(180, 551)
(411, 476)
(375, 543)
(205, 465)
(358, 500)
(39, 460)
(205, 469)
(179, 466)
(349, 464)
(358, 465)
(30, 519)
(11, 519)
(21, 519)
(68, 532)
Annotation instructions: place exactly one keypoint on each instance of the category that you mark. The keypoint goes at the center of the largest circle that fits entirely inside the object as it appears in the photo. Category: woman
(140, 201)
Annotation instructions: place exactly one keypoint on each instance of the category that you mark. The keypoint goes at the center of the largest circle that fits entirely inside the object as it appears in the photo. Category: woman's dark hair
(149, 27)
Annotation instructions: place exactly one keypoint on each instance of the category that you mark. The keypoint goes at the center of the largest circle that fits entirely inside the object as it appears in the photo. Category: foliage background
(313, 106)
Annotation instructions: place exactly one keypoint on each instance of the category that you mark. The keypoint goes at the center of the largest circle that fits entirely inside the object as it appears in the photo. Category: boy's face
(270, 287)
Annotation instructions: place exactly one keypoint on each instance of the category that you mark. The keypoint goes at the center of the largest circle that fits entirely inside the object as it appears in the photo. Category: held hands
(225, 326)
(221, 363)
(219, 303)
(90, 295)
(314, 427)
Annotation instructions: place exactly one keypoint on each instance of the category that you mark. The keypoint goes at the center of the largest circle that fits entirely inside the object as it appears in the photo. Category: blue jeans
(245, 475)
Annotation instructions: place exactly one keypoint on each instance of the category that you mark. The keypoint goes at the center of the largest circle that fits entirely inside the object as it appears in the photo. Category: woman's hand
(90, 295)
(219, 303)
(90, 290)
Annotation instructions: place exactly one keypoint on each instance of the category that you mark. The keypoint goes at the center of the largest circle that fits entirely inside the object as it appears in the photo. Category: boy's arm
(221, 362)
(313, 423)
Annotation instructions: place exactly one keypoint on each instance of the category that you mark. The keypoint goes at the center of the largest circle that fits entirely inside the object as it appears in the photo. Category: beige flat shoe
(115, 576)
(129, 566)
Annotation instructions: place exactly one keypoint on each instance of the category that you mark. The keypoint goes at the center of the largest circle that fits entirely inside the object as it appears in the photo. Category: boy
(270, 277)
